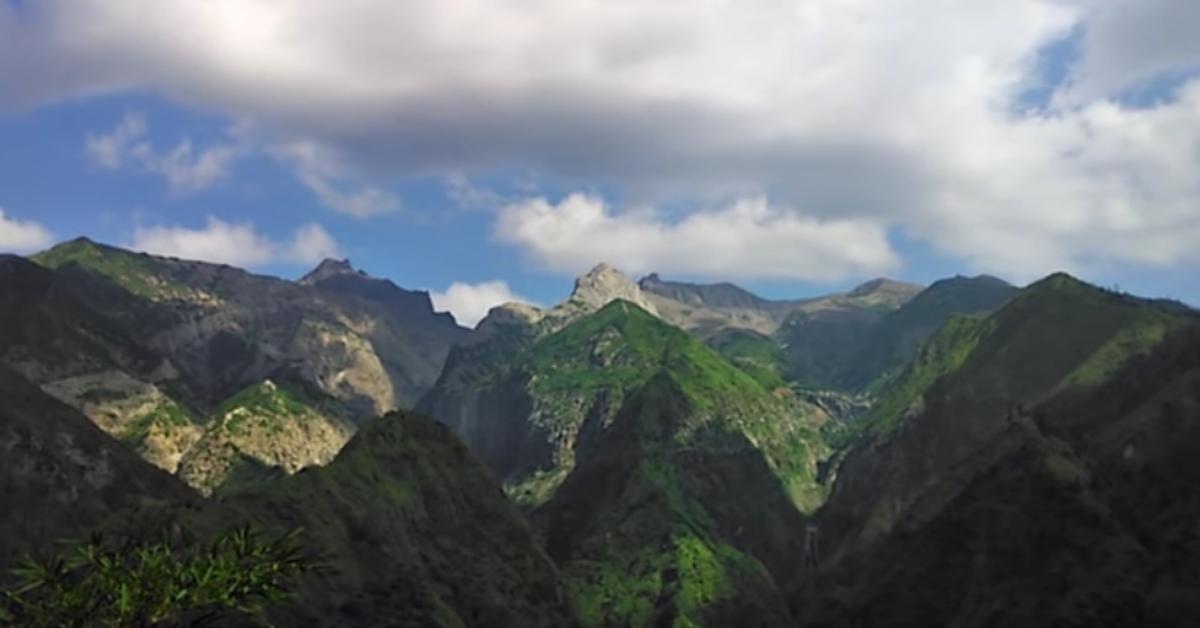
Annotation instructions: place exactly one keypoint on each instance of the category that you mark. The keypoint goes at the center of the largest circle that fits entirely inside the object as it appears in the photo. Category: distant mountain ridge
(204, 334)
(970, 460)
(708, 308)
(968, 454)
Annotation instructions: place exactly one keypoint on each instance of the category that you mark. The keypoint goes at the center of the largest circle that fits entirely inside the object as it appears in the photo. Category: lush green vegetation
(166, 416)
(265, 400)
(759, 356)
(415, 531)
(1057, 334)
(140, 274)
(643, 519)
(944, 352)
(618, 347)
(144, 584)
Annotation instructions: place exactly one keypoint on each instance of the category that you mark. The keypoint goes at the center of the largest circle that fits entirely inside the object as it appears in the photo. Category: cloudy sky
(491, 149)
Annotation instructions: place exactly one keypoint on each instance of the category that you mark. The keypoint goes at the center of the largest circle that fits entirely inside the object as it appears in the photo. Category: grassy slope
(899, 335)
(943, 353)
(140, 274)
(671, 514)
(1058, 337)
(266, 424)
(645, 537)
(615, 351)
(759, 356)
(417, 532)
(1059, 333)
(1085, 517)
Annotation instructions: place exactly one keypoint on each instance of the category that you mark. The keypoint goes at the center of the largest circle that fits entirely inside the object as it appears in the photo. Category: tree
(156, 584)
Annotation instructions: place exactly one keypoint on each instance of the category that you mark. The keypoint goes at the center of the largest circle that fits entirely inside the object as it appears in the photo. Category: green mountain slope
(534, 408)
(415, 530)
(644, 527)
(667, 482)
(83, 358)
(60, 476)
(900, 333)
(1084, 515)
(972, 411)
(758, 355)
(269, 424)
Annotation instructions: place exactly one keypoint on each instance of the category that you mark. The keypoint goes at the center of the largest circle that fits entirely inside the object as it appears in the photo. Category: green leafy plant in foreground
(155, 584)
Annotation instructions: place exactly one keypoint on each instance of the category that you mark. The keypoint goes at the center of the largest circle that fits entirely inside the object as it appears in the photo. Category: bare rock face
(363, 340)
(152, 349)
(329, 269)
(266, 425)
(604, 284)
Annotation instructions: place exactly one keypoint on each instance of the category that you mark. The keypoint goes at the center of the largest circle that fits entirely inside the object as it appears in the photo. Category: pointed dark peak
(1059, 281)
(328, 269)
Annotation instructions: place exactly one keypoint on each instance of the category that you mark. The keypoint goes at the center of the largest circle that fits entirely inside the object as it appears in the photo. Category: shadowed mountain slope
(1002, 494)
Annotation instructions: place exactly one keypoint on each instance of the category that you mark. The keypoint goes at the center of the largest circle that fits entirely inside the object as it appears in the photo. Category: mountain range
(648, 452)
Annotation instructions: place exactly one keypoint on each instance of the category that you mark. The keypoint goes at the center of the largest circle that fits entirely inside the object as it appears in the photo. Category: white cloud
(467, 195)
(311, 244)
(184, 168)
(324, 173)
(748, 239)
(22, 236)
(896, 114)
(469, 303)
(1126, 44)
(236, 244)
(111, 149)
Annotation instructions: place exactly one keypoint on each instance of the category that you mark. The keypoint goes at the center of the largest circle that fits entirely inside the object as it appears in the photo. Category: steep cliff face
(1000, 490)
(81, 357)
(225, 328)
(415, 340)
(498, 389)
(153, 349)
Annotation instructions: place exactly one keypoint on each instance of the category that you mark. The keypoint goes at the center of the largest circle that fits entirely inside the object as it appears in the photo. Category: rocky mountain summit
(643, 453)
(162, 352)
(593, 290)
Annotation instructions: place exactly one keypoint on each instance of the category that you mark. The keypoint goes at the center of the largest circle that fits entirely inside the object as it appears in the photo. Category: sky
(491, 150)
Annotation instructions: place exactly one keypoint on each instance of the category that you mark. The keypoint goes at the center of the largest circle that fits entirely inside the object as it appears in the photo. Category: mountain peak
(875, 285)
(329, 268)
(603, 284)
(885, 292)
